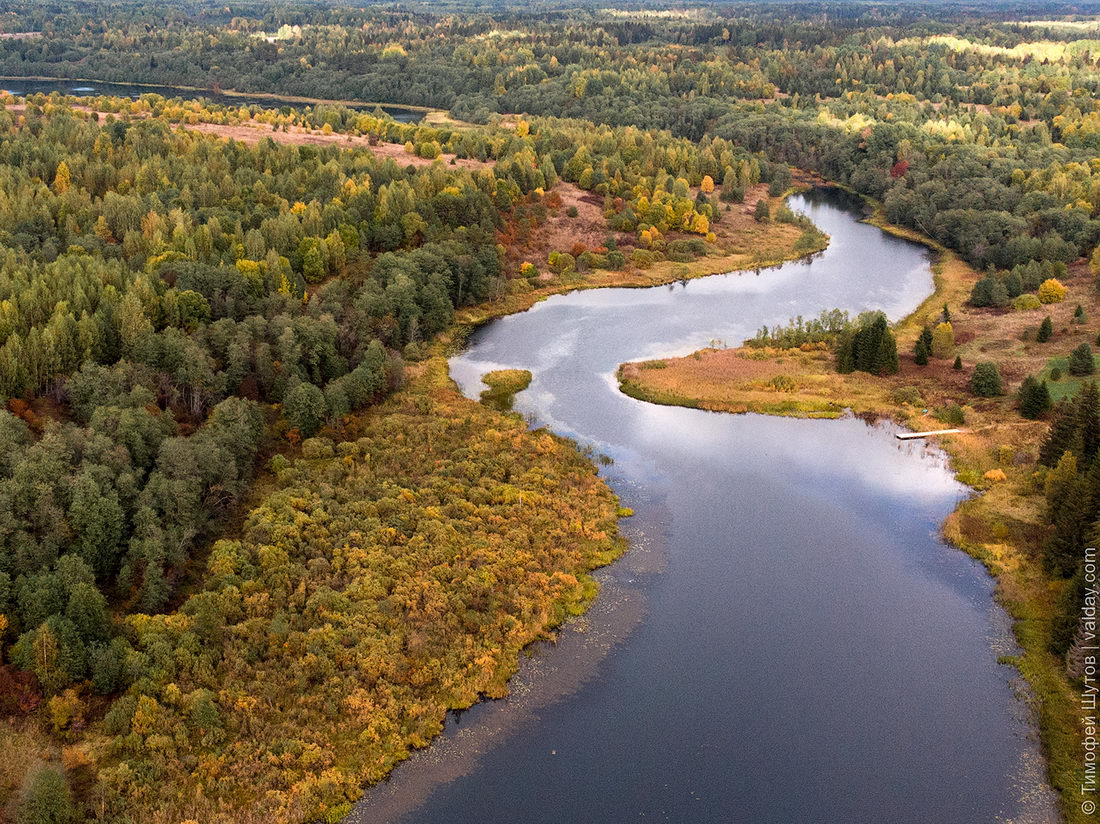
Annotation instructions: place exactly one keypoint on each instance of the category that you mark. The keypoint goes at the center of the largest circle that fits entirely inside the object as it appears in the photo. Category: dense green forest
(182, 314)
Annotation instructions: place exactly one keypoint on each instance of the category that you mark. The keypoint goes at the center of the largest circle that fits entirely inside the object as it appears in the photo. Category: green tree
(87, 609)
(1063, 435)
(1067, 508)
(989, 291)
(1081, 361)
(1033, 398)
(1046, 329)
(871, 347)
(985, 382)
(304, 408)
(1088, 420)
(48, 800)
(97, 517)
(108, 664)
(923, 347)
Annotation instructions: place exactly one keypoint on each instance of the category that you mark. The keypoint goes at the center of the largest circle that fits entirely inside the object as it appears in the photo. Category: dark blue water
(20, 86)
(800, 645)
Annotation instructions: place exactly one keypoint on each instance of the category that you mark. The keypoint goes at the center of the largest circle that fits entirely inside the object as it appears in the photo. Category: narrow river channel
(788, 639)
(22, 86)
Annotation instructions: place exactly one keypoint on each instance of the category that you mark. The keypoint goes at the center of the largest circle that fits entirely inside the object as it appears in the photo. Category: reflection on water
(21, 86)
(787, 640)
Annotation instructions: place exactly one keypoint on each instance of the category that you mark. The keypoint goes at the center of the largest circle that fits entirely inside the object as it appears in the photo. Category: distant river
(22, 86)
(788, 641)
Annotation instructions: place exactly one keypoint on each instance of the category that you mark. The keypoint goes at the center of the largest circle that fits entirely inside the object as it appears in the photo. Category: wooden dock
(909, 436)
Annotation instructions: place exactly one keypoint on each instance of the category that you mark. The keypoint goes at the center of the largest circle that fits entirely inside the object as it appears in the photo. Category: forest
(232, 473)
(984, 142)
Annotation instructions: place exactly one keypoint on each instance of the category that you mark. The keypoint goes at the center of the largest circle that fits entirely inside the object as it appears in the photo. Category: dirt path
(253, 133)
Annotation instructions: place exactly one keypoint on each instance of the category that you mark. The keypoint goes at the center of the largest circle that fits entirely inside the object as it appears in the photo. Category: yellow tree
(62, 178)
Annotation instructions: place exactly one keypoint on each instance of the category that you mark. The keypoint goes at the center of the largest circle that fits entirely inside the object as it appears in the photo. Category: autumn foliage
(380, 586)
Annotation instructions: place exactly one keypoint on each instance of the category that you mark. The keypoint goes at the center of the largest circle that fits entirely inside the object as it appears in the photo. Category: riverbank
(404, 567)
(752, 246)
(1002, 526)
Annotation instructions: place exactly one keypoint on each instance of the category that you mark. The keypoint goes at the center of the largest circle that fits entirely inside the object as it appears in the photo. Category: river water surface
(21, 86)
(787, 639)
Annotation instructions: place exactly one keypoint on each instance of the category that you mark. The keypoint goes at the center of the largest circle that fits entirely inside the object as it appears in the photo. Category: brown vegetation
(253, 133)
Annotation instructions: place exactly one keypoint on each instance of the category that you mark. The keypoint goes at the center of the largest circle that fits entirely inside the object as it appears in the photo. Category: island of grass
(503, 385)
(797, 383)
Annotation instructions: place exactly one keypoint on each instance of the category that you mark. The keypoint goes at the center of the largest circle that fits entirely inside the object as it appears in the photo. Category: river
(788, 639)
(21, 86)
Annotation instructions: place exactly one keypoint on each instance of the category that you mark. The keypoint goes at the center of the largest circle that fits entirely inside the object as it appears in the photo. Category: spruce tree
(985, 382)
(886, 359)
(1080, 361)
(1092, 495)
(923, 347)
(1067, 618)
(1063, 435)
(1066, 493)
(1033, 398)
(1046, 329)
(989, 291)
(1088, 420)
(958, 363)
(982, 293)
(872, 348)
(845, 355)
(1067, 514)
(868, 344)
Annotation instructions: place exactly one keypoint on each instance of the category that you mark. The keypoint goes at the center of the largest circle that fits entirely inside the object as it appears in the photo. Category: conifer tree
(1063, 435)
(1046, 329)
(1033, 398)
(985, 382)
(1088, 420)
(871, 347)
(1066, 511)
(1080, 361)
(923, 347)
